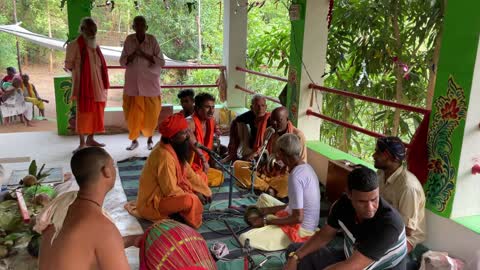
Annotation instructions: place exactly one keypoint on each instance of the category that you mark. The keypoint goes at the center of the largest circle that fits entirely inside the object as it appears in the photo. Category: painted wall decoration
(296, 56)
(293, 101)
(450, 110)
(64, 108)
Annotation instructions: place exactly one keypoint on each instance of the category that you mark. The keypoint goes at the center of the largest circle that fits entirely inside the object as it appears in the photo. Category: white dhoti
(270, 237)
(16, 105)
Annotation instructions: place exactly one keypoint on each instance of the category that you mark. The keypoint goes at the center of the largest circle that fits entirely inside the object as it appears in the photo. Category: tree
(391, 45)
(7, 47)
(395, 38)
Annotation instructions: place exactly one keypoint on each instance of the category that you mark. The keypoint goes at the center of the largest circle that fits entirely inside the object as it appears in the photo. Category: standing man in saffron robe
(90, 83)
(142, 103)
(202, 125)
(168, 185)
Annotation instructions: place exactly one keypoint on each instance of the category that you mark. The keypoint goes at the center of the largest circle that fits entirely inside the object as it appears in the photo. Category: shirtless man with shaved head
(86, 238)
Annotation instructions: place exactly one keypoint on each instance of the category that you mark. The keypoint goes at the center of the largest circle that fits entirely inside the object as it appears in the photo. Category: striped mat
(213, 228)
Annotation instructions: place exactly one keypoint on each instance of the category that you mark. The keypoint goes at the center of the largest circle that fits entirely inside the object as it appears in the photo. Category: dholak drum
(169, 245)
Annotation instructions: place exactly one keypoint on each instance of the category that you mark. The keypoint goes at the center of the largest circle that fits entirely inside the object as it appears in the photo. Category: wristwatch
(294, 255)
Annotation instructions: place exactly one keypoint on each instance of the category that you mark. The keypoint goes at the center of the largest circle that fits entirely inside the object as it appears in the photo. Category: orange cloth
(205, 139)
(86, 97)
(89, 119)
(172, 125)
(293, 130)
(263, 182)
(291, 230)
(167, 187)
(273, 139)
(91, 122)
(141, 114)
(213, 177)
(241, 170)
(261, 124)
(74, 62)
(236, 140)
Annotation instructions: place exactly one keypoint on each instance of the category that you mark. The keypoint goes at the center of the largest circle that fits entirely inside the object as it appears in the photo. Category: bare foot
(92, 142)
(150, 143)
(29, 124)
(133, 145)
(80, 147)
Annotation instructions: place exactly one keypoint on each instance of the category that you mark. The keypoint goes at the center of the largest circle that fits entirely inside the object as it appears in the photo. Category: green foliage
(7, 47)
(175, 27)
(268, 47)
(365, 31)
(39, 174)
(32, 169)
(361, 31)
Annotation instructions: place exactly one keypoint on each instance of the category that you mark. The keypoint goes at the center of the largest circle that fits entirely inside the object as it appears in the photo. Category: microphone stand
(216, 158)
(254, 165)
(249, 262)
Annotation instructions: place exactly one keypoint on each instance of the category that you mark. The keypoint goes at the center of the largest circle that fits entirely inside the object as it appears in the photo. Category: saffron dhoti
(91, 122)
(141, 114)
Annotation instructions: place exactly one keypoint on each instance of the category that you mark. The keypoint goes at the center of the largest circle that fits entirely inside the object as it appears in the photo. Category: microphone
(204, 148)
(268, 134)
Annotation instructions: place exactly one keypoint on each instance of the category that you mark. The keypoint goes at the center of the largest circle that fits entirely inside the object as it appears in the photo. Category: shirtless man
(86, 239)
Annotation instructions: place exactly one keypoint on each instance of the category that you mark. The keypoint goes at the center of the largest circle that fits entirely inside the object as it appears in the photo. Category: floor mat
(213, 228)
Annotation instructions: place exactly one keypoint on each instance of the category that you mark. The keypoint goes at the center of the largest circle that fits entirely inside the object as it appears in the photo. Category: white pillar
(235, 48)
(314, 57)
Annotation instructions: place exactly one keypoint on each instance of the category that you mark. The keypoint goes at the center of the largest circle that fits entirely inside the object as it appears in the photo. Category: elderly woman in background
(13, 103)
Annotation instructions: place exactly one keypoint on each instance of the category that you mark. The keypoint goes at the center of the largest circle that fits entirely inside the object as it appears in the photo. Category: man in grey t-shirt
(280, 225)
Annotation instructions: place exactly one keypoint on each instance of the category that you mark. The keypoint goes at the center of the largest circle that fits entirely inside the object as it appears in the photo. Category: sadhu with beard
(168, 185)
(90, 82)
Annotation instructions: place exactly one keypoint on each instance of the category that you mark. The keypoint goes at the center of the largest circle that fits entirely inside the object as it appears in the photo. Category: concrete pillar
(235, 48)
(467, 189)
(453, 131)
(308, 51)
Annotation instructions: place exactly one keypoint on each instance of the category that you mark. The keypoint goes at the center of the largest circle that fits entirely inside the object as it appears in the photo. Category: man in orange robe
(168, 184)
(90, 83)
(272, 180)
(247, 131)
(202, 125)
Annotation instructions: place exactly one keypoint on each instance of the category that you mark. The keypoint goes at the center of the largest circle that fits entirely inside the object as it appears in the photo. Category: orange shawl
(273, 140)
(182, 181)
(261, 124)
(205, 139)
(291, 230)
(86, 95)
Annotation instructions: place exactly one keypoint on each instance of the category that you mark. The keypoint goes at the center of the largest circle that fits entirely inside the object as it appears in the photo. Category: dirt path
(43, 81)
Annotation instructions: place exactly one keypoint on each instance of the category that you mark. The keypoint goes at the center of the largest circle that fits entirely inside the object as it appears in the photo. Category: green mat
(213, 228)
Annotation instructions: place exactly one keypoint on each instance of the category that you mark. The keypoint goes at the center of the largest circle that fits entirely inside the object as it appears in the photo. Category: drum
(169, 245)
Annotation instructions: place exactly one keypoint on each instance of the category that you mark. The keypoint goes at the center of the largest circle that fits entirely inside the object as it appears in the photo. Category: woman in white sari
(13, 103)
